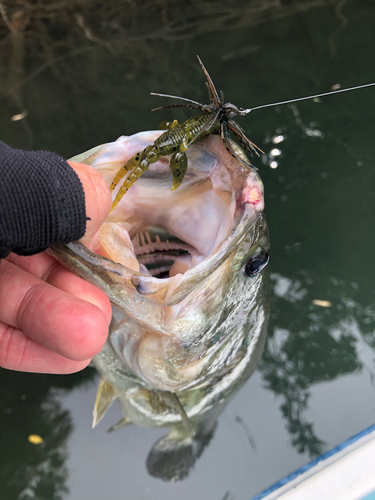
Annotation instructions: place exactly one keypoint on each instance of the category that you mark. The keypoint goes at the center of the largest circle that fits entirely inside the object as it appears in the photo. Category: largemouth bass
(184, 272)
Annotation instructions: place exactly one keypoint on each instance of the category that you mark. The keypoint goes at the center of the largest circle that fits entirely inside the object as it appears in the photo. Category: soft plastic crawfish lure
(217, 118)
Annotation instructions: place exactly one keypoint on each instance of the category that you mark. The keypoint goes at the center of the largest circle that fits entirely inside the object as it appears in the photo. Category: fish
(186, 273)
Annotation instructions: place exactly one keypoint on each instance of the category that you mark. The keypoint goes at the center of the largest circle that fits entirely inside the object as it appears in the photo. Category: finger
(19, 352)
(97, 196)
(68, 325)
(48, 269)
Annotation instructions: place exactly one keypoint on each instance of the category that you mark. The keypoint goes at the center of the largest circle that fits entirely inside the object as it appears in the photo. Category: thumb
(97, 197)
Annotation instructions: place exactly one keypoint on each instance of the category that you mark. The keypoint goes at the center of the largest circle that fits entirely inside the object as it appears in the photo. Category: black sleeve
(41, 201)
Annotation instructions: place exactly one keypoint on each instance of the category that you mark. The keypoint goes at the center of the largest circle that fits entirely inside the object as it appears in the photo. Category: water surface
(84, 73)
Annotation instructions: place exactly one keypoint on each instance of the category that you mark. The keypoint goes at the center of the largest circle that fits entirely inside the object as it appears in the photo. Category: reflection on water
(69, 45)
(61, 31)
(335, 340)
(82, 72)
(29, 405)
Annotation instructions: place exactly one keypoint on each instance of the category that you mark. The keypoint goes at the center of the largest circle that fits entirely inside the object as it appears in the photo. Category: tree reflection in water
(60, 57)
(338, 340)
(296, 357)
(28, 405)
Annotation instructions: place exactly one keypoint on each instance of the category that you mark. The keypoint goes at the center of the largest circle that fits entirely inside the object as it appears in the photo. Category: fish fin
(104, 398)
(121, 423)
(173, 400)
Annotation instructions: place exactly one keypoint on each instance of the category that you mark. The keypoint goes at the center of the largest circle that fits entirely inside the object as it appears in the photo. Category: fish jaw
(168, 323)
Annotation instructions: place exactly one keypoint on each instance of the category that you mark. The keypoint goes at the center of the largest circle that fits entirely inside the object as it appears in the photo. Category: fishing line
(309, 97)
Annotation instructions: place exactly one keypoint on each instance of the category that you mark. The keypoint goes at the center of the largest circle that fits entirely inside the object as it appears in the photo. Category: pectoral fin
(121, 423)
(104, 398)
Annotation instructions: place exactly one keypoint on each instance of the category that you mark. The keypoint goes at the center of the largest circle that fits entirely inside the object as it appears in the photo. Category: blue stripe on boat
(370, 496)
(314, 462)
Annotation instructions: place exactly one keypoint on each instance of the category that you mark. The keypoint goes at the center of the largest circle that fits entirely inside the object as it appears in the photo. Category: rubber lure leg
(178, 166)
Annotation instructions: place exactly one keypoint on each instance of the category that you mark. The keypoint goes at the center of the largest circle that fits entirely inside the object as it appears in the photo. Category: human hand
(52, 321)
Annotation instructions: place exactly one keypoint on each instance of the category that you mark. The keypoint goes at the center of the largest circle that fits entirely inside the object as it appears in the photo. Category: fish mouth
(173, 238)
(161, 254)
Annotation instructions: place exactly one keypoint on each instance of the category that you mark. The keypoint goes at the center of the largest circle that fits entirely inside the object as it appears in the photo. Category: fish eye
(257, 262)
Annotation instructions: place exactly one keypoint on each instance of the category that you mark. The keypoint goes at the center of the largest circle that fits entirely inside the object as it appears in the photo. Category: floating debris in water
(322, 303)
(19, 116)
(227, 496)
(35, 439)
(274, 164)
(241, 52)
(275, 152)
(247, 432)
(336, 86)
(277, 139)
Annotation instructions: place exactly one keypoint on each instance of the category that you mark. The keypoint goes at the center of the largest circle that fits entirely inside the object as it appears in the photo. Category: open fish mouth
(162, 254)
(164, 235)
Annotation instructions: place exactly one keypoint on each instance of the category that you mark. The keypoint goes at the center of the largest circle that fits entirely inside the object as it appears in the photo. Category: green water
(84, 71)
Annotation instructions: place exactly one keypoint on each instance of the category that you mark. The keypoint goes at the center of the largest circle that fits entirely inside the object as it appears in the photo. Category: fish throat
(161, 253)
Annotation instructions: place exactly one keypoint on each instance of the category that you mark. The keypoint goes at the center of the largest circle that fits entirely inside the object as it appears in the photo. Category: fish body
(185, 273)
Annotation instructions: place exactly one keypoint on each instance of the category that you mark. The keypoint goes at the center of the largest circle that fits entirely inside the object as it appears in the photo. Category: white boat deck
(346, 472)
